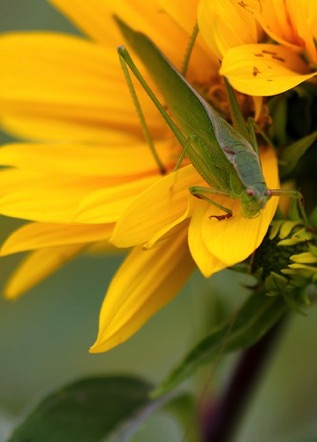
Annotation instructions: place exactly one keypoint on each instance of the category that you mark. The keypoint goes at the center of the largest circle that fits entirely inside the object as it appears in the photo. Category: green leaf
(292, 154)
(258, 314)
(94, 409)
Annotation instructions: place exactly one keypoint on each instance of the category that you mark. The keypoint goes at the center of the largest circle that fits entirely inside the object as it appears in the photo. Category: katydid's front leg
(185, 148)
(295, 194)
(202, 192)
(199, 191)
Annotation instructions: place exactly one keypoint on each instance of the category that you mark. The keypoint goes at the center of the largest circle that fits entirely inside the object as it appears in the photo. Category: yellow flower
(266, 46)
(90, 178)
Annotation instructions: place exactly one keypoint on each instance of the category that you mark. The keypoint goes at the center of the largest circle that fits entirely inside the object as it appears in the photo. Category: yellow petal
(184, 13)
(60, 87)
(203, 66)
(42, 235)
(109, 204)
(263, 69)
(225, 24)
(159, 205)
(151, 19)
(41, 187)
(176, 18)
(44, 196)
(145, 282)
(291, 23)
(94, 18)
(37, 266)
(117, 162)
(169, 230)
(305, 19)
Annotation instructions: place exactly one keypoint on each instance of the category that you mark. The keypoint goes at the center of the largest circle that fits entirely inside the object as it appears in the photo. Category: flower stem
(219, 422)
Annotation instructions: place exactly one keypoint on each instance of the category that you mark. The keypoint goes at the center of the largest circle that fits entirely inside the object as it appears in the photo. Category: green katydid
(221, 155)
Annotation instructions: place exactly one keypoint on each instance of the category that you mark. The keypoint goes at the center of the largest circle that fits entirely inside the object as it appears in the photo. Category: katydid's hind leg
(295, 194)
(139, 110)
(202, 193)
(189, 49)
(189, 140)
(126, 60)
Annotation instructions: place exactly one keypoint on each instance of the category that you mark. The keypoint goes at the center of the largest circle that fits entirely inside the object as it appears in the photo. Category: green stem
(220, 421)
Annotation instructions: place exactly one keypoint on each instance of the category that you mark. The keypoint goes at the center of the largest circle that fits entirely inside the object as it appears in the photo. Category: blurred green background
(46, 334)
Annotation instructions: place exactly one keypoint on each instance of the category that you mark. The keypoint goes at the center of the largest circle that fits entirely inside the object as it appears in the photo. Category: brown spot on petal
(244, 5)
(255, 71)
(265, 51)
(278, 58)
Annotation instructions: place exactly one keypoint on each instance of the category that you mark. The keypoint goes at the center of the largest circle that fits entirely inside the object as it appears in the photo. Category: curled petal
(232, 240)
(291, 23)
(263, 70)
(207, 263)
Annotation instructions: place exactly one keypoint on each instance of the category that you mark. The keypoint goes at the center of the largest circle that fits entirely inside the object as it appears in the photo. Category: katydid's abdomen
(223, 157)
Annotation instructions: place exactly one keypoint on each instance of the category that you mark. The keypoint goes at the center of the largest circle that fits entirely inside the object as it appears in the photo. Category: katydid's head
(254, 199)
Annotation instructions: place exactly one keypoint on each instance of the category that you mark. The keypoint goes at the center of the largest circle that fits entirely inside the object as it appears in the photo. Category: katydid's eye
(268, 192)
(250, 192)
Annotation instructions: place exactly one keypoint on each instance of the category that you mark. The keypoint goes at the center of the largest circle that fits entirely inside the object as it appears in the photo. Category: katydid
(223, 157)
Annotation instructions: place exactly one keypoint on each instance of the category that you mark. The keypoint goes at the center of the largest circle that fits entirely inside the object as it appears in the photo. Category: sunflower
(85, 177)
